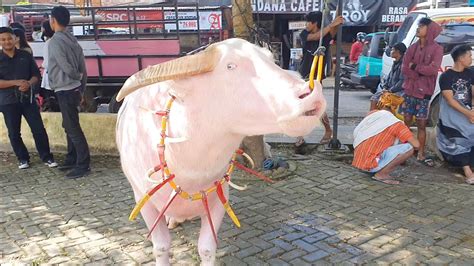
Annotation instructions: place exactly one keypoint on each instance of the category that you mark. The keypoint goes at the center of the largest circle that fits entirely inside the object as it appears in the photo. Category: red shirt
(356, 50)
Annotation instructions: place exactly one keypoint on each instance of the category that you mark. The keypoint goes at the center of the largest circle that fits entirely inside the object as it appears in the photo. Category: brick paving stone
(272, 252)
(448, 242)
(282, 244)
(340, 257)
(292, 236)
(304, 245)
(277, 262)
(247, 252)
(298, 262)
(296, 253)
(252, 260)
(396, 256)
(317, 255)
(315, 237)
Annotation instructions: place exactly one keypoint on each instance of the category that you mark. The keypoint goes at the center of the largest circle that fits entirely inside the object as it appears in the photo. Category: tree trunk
(242, 22)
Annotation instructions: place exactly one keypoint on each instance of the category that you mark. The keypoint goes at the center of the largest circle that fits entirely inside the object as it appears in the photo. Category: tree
(242, 19)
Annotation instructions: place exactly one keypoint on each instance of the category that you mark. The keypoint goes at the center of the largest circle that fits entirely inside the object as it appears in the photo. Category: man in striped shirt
(382, 142)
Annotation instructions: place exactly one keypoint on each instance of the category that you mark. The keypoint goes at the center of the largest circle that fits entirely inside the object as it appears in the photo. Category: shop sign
(296, 53)
(296, 25)
(373, 12)
(285, 6)
(395, 11)
(208, 20)
(355, 12)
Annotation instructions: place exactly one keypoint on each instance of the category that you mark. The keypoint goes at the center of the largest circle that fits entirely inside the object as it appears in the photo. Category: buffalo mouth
(311, 112)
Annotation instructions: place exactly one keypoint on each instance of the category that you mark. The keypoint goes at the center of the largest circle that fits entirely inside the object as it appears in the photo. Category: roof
(446, 11)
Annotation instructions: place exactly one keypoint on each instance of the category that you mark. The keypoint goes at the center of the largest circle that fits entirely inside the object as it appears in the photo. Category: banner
(358, 12)
(208, 20)
(123, 15)
(395, 11)
(355, 12)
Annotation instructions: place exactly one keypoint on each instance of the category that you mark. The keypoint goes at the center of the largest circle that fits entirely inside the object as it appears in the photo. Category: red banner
(125, 16)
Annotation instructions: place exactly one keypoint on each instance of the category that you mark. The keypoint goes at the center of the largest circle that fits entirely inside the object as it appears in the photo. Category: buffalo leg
(207, 245)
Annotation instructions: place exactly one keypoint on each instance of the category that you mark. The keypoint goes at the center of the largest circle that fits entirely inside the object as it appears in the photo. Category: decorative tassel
(253, 172)
(141, 203)
(173, 195)
(208, 213)
(228, 209)
(161, 156)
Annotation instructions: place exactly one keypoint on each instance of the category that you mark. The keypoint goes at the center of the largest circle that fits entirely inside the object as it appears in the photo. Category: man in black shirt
(18, 73)
(310, 43)
(455, 138)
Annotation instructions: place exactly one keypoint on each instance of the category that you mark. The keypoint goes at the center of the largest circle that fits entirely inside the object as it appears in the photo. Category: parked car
(458, 24)
(370, 62)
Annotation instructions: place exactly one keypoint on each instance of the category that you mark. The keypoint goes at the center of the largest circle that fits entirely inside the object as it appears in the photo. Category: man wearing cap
(394, 81)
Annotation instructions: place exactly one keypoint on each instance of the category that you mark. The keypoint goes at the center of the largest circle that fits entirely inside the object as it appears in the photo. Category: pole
(335, 143)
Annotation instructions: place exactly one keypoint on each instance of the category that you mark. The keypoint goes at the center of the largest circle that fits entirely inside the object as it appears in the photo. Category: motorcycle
(346, 71)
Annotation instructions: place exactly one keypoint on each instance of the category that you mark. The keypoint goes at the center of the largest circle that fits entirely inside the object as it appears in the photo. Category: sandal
(325, 140)
(299, 146)
(386, 181)
(470, 181)
(427, 162)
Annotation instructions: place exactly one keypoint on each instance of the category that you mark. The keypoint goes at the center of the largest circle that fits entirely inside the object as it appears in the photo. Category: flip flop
(299, 147)
(427, 162)
(325, 140)
(470, 181)
(386, 181)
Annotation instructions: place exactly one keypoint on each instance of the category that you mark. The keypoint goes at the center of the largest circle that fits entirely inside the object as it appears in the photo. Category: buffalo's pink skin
(246, 94)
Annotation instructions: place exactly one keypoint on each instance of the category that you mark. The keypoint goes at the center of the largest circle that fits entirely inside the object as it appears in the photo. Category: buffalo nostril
(302, 96)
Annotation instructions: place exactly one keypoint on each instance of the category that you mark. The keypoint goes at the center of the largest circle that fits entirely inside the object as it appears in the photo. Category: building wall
(103, 2)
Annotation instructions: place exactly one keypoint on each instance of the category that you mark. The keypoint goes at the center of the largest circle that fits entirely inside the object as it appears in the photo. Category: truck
(119, 41)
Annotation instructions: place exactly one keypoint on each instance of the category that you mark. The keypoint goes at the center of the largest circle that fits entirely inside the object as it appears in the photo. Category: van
(458, 27)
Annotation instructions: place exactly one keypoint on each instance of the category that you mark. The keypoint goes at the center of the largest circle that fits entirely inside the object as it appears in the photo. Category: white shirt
(44, 81)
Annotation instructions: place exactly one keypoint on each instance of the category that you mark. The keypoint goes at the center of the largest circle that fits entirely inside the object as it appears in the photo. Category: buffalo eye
(231, 66)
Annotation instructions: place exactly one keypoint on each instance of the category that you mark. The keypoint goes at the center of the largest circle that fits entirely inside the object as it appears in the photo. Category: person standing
(357, 48)
(18, 73)
(21, 42)
(455, 138)
(47, 34)
(310, 43)
(67, 76)
(420, 68)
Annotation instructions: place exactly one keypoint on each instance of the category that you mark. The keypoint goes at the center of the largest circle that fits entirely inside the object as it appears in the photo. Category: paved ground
(323, 212)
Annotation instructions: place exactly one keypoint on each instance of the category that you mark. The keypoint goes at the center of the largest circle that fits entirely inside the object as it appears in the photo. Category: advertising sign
(208, 20)
(355, 12)
(124, 16)
(296, 25)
